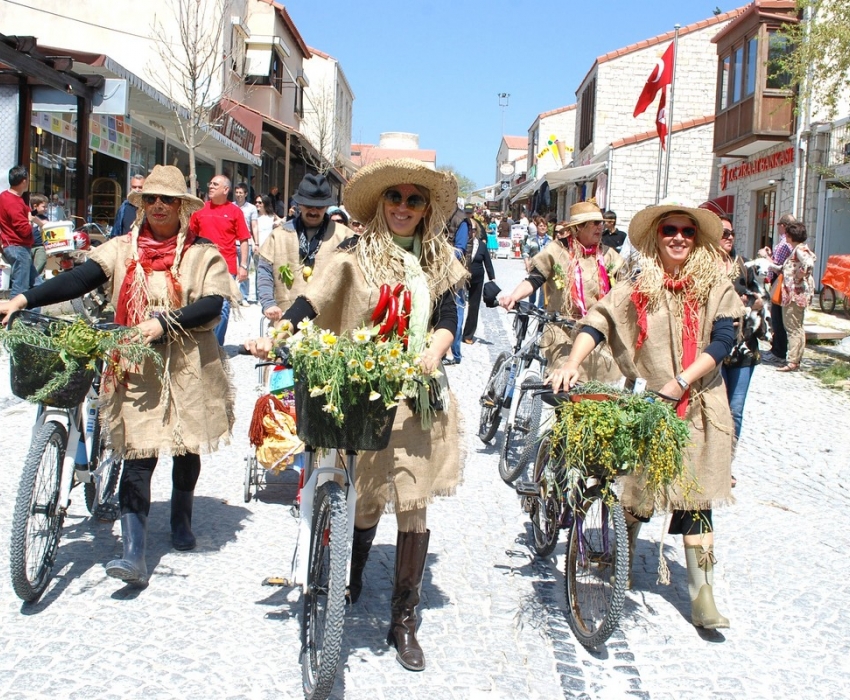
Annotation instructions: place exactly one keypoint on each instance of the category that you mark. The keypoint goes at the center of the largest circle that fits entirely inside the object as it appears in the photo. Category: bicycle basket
(32, 367)
(367, 425)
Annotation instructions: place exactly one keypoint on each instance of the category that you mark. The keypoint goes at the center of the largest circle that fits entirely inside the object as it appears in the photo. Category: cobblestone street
(493, 624)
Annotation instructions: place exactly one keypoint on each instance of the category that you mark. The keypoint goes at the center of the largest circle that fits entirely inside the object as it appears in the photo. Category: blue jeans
(737, 384)
(23, 275)
(460, 301)
(245, 287)
(221, 329)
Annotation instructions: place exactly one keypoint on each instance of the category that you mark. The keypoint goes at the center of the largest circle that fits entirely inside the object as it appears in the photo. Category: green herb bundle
(55, 352)
(629, 434)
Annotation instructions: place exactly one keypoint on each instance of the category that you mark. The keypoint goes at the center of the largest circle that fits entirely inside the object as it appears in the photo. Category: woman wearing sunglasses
(672, 325)
(405, 206)
(169, 284)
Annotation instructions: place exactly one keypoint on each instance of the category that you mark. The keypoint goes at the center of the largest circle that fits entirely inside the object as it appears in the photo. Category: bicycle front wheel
(826, 299)
(520, 445)
(105, 472)
(324, 596)
(545, 510)
(37, 519)
(491, 399)
(596, 569)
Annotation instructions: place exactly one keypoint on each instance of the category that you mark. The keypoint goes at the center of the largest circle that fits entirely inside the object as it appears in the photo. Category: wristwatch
(244, 267)
(682, 382)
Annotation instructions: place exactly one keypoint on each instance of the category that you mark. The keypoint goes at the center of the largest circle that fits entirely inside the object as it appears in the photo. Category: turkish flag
(661, 76)
(661, 118)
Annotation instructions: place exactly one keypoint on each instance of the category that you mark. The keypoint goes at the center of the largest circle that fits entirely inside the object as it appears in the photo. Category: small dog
(758, 322)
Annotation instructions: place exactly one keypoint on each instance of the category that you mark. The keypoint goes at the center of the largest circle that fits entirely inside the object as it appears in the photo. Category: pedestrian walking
(777, 256)
(672, 325)
(16, 237)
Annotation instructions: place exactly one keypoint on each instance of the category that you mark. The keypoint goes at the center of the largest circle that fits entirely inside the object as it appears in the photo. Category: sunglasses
(728, 233)
(415, 202)
(164, 198)
(668, 231)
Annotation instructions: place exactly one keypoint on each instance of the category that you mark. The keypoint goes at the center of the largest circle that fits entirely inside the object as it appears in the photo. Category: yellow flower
(395, 352)
(368, 364)
(316, 391)
(328, 339)
(356, 378)
(353, 363)
(361, 336)
(374, 396)
(410, 371)
(305, 325)
(315, 353)
(329, 408)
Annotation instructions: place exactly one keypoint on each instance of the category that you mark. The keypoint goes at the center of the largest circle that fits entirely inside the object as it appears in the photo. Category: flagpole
(658, 175)
(669, 115)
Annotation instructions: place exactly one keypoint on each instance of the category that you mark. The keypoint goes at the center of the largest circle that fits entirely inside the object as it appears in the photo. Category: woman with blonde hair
(404, 206)
(672, 325)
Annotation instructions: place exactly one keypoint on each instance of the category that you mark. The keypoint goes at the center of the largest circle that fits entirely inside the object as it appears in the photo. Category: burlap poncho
(281, 247)
(195, 413)
(418, 465)
(557, 342)
(708, 460)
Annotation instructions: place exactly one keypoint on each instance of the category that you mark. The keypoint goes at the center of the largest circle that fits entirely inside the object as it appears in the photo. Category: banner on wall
(108, 134)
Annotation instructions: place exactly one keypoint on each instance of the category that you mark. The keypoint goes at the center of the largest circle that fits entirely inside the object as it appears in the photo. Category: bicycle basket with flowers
(347, 387)
(54, 360)
(613, 433)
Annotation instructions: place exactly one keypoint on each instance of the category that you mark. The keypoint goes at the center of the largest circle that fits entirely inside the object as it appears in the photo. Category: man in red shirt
(16, 232)
(223, 223)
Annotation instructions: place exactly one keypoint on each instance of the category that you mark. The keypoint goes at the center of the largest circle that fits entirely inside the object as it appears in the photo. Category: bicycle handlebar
(526, 308)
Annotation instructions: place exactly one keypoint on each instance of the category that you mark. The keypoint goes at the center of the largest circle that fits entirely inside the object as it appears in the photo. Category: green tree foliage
(818, 65)
(464, 184)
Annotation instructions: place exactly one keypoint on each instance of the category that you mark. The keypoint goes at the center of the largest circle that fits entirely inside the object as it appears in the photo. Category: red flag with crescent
(662, 75)
(661, 118)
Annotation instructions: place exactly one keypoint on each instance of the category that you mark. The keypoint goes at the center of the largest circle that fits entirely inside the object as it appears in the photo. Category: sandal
(734, 481)
(790, 367)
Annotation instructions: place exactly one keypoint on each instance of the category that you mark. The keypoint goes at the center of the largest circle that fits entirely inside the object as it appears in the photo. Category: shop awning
(528, 189)
(559, 178)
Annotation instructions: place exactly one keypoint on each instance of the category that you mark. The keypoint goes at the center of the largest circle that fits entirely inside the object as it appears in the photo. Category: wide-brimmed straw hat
(582, 212)
(363, 192)
(167, 180)
(642, 228)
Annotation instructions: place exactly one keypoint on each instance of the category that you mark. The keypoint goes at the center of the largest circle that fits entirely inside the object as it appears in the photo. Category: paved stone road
(493, 623)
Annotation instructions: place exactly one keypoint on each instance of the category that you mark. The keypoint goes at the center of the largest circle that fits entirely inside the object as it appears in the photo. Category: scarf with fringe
(690, 325)
(151, 255)
(577, 288)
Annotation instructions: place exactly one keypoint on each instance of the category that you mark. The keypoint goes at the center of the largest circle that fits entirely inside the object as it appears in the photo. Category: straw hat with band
(364, 191)
(644, 224)
(582, 212)
(166, 180)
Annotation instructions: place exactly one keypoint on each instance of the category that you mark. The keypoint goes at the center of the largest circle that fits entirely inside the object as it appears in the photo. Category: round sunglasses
(415, 202)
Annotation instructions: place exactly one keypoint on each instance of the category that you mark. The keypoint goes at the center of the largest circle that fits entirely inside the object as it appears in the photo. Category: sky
(436, 68)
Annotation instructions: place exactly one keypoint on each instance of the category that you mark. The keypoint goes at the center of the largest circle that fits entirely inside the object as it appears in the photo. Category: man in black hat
(611, 235)
(295, 245)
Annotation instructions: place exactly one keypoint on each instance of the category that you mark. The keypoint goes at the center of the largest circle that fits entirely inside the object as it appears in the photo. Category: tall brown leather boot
(700, 561)
(411, 550)
(360, 546)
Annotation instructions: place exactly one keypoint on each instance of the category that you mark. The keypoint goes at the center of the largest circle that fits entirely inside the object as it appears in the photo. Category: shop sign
(107, 134)
(753, 167)
(226, 124)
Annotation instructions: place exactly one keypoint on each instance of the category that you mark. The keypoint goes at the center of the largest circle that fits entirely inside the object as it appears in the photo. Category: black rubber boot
(131, 568)
(360, 546)
(182, 538)
(411, 550)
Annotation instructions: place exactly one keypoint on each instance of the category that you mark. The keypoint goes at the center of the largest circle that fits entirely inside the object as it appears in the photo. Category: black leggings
(691, 522)
(134, 493)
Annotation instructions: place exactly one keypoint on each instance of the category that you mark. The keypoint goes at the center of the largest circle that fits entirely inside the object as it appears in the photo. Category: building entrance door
(765, 218)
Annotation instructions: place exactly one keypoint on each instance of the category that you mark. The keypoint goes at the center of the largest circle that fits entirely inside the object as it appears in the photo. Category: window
(738, 62)
(276, 73)
(299, 100)
(752, 63)
(723, 82)
(778, 49)
(588, 114)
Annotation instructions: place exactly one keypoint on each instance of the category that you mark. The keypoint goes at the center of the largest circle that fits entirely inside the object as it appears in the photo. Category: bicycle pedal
(280, 581)
(527, 488)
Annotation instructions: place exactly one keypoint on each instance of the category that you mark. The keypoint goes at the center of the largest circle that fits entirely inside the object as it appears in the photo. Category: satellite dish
(506, 168)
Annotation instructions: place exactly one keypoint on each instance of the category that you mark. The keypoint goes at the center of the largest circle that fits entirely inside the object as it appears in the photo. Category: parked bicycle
(67, 449)
(506, 393)
(596, 566)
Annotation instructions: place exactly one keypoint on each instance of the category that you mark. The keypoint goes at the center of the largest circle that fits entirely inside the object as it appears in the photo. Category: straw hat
(167, 180)
(582, 212)
(642, 227)
(363, 192)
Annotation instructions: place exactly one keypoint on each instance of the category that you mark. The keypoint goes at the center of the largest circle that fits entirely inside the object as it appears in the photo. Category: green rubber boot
(700, 561)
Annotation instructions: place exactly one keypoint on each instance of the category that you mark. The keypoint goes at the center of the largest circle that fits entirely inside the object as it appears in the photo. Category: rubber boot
(131, 568)
(360, 546)
(632, 529)
(700, 561)
(182, 538)
(411, 550)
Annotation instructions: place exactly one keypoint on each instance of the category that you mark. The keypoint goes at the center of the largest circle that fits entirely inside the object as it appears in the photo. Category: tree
(816, 47)
(325, 127)
(464, 184)
(196, 68)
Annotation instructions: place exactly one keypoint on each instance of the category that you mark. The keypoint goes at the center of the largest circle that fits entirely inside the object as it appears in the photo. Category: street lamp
(504, 99)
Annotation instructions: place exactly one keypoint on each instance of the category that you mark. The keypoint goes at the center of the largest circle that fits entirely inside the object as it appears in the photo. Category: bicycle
(68, 448)
(596, 566)
(523, 411)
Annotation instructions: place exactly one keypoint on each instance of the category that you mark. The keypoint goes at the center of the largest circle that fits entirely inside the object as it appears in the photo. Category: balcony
(760, 121)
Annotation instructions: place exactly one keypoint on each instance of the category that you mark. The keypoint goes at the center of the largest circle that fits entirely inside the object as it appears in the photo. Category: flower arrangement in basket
(54, 360)
(608, 433)
(347, 386)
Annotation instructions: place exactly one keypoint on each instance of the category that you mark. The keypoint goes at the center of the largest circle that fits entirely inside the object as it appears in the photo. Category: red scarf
(690, 326)
(577, 287)
(154, 255)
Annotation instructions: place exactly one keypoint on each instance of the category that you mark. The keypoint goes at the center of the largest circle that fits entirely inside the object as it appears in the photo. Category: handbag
(776, 290)
(490, 293)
